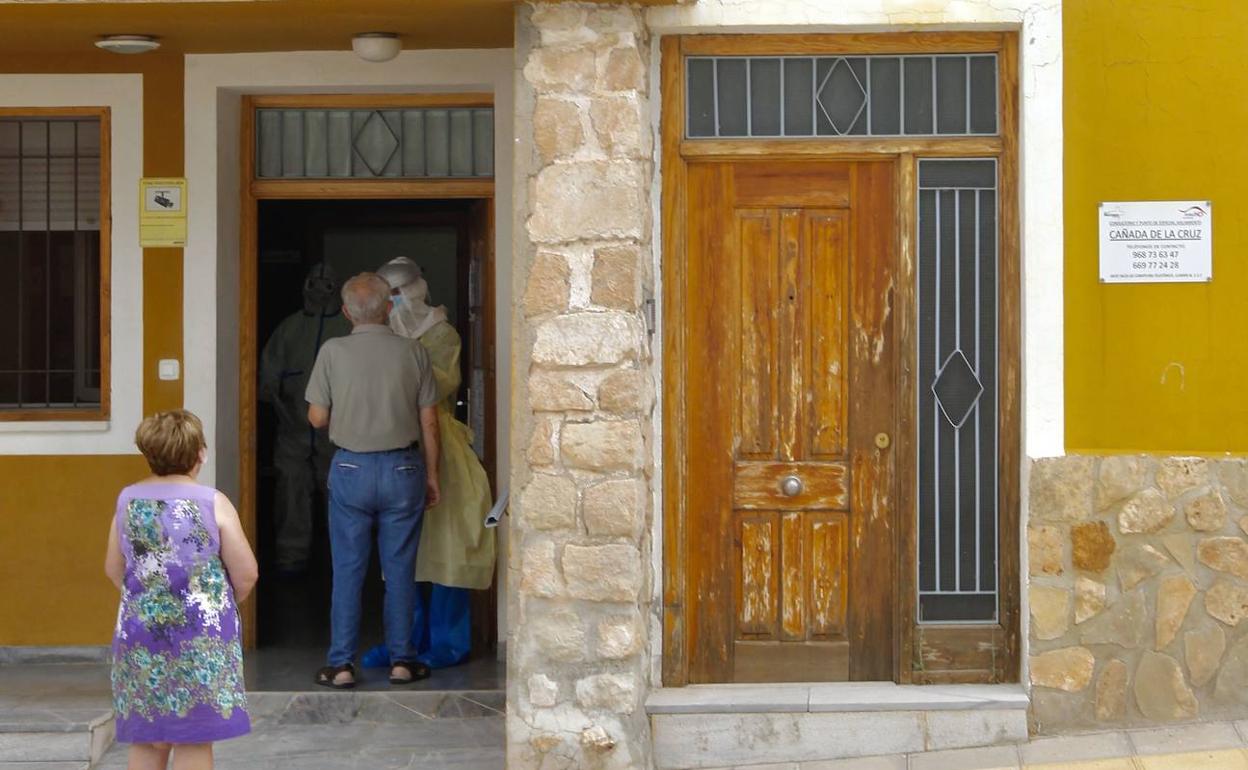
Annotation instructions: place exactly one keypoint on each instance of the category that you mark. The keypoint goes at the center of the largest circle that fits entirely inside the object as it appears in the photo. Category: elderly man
(376, 392)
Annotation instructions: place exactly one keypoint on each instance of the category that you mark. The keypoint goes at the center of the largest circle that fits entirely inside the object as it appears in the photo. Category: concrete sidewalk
(1205, 746)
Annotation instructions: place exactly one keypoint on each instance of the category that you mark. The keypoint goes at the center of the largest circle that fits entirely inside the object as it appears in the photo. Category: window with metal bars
(957, 394)
(51, 176)
(814, 96)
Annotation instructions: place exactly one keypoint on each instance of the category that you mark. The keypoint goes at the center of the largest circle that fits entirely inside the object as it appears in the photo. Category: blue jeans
(385, 490)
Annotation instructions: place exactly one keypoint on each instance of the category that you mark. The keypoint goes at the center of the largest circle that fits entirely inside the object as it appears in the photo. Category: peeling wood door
(790, 381)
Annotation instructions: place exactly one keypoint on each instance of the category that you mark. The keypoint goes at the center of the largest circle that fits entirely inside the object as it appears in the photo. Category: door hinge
(648, 311)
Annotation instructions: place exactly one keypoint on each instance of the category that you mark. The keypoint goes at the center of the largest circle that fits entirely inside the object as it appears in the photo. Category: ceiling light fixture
(128, 43)
(376, 46)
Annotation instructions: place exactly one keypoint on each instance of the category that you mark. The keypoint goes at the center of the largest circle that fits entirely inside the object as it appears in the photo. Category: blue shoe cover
(376, 657)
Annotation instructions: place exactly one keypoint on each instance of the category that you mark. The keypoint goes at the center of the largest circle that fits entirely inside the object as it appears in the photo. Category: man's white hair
(365, 297)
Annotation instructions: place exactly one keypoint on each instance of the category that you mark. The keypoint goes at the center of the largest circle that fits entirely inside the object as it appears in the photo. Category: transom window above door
(299, 143)
(821, 96)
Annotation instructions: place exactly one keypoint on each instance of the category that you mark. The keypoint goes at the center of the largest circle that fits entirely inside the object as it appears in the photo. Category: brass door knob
(882, 440)
(791, 486)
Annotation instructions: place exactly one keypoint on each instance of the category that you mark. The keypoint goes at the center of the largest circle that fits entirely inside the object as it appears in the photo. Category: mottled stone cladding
(577, 671)
(1138, 586)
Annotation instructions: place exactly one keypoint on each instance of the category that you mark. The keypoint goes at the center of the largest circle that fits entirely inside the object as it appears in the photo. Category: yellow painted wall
(53, 531)
(54, 510)
(1155, 110)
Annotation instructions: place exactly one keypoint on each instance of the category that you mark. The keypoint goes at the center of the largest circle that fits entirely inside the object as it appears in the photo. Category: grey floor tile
(457, 707)
(41, 719)
(453, 744)
(487, 732)
(61, 682)
(319, 708)
(1076, 748)
(987, 758)
(491, 699)
(892, 762)
(389, 709)
(1204, 736)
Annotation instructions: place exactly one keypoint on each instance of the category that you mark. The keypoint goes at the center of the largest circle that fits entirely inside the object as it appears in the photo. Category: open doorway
(451, 241)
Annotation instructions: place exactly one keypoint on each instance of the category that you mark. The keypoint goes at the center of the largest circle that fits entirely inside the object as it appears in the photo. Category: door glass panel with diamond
(370, 144)
(957, 400)
(794, 96)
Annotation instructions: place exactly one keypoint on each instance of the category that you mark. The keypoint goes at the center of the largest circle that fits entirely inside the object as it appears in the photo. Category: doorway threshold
(722, 725)
(834, 696)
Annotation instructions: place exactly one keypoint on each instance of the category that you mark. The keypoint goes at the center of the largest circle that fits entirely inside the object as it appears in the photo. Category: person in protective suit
(456, 550)
(301, 454)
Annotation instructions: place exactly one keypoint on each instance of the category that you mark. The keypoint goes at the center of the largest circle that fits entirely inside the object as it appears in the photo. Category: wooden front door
(791, 406)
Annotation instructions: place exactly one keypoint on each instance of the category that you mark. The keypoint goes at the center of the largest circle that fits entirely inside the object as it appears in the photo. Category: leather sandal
(415, 671)
(328, 676)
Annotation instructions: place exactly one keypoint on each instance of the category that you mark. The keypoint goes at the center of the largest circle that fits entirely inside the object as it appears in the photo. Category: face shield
(407, 284)
(320, 290)
(415, 293)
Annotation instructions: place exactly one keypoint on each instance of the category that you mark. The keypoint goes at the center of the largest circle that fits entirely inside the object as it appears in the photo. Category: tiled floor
(447, 745)
(452, 721)
(337, 731)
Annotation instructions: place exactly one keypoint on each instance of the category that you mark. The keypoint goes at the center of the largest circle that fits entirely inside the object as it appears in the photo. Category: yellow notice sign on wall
(162, 212)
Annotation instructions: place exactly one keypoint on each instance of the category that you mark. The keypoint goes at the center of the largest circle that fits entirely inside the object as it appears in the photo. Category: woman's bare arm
(114, 560)
(240, 562)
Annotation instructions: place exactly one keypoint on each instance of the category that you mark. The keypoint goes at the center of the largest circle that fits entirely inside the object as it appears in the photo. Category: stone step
(711, 726)
(390, 706)
(54, 738)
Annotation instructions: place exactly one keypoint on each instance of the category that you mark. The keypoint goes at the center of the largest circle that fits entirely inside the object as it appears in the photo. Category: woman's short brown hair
(171, 441)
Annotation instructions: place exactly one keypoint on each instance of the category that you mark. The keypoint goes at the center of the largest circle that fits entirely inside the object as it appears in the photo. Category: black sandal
(416, 670)
(327, 676)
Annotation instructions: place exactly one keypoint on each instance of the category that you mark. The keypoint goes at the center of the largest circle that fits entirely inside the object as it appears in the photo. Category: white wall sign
(1156, 242)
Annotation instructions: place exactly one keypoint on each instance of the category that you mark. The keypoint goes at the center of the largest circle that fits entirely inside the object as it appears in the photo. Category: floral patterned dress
(177, 659)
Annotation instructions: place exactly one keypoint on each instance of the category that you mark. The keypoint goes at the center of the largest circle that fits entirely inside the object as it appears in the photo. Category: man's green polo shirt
(374, 383)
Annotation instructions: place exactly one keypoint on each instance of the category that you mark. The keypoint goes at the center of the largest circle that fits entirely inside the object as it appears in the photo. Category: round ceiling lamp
(128, 43)
(376, 46)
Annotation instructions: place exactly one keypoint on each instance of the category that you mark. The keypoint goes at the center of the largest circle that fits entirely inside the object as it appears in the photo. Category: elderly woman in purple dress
(177, 553)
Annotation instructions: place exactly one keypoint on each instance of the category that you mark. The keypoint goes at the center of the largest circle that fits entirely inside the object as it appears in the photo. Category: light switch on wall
(168, 368)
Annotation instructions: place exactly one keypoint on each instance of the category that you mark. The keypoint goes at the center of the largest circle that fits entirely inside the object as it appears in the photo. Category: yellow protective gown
(455, 547)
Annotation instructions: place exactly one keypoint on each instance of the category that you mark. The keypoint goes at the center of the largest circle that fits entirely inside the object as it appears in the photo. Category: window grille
(372, 144)
(50, 182)
(957, 398)
(811, 96)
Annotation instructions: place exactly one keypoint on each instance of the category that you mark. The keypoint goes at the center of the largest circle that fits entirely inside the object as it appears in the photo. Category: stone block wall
(1138, 586)
(583, 392)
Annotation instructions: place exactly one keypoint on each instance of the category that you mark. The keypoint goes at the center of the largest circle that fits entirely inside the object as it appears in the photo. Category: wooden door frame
(927, 653)
(253, 190)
